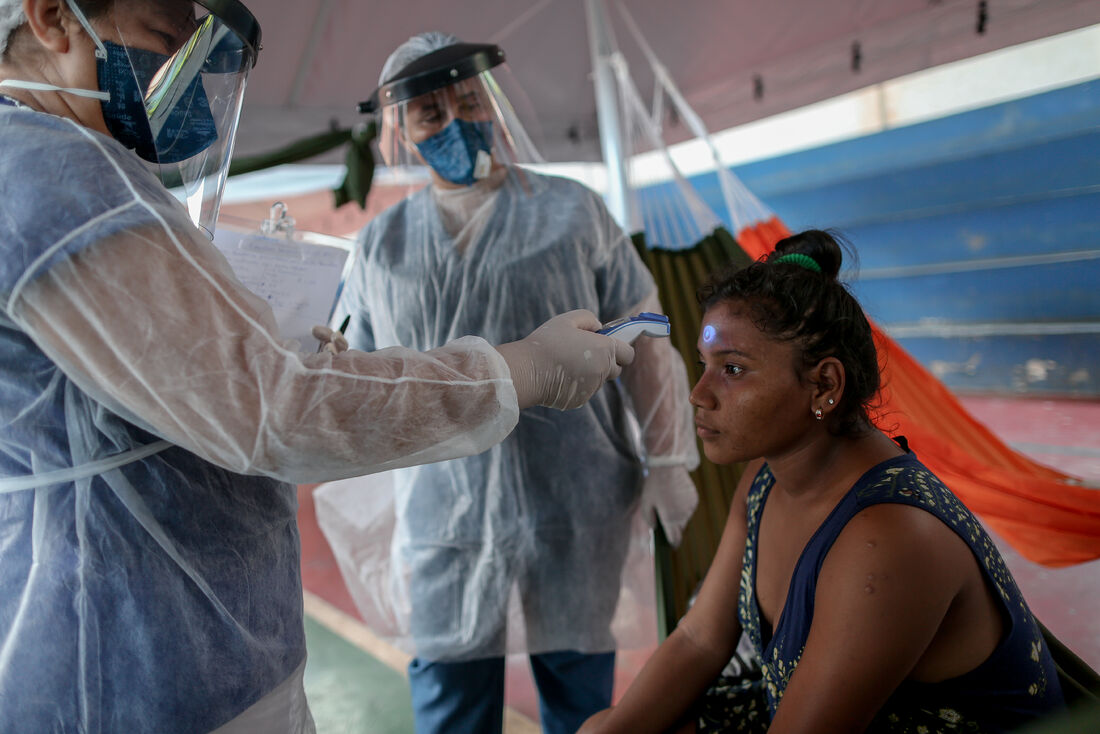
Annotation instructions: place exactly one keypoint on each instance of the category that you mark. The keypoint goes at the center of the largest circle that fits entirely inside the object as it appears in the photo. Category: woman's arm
(882, 594)
(689, 661)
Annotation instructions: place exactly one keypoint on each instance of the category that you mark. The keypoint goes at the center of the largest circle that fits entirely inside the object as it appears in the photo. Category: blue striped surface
(978, 236)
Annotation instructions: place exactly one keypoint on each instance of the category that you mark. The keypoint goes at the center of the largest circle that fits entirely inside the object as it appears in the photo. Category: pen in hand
(333, 340)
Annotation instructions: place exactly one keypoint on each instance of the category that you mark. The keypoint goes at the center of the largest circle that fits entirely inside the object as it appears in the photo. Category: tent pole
(607, 112)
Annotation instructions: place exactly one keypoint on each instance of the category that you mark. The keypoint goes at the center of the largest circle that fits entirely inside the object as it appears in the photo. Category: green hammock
(679, 273)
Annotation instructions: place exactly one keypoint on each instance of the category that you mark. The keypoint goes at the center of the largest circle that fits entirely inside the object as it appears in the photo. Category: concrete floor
(351, 691)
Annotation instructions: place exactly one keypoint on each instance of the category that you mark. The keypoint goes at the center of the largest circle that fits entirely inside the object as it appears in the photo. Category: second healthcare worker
(491, 248)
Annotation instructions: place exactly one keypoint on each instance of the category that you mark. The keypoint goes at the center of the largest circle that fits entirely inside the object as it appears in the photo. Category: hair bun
(814, 249)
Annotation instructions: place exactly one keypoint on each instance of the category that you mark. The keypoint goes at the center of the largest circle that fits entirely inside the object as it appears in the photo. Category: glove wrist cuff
(521, 372)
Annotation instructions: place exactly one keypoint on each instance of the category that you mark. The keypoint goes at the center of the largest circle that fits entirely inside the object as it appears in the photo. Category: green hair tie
(797, 258)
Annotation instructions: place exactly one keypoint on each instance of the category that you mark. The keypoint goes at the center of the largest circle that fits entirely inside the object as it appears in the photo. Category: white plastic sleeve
(657, 383)
(154, 326)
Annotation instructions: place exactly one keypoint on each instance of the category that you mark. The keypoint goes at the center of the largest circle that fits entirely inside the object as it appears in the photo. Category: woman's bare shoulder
(902, 543)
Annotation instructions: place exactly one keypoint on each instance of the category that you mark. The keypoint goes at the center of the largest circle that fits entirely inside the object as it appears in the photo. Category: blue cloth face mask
(188, 127)
(460, 151)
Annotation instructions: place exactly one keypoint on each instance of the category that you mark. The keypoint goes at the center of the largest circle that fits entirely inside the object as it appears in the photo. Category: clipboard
(299, 273)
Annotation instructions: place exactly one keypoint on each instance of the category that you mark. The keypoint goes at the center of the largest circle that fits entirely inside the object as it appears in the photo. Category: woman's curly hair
(789, 301)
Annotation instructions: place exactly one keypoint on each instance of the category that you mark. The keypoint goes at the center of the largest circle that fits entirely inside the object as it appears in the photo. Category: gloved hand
(669, 494)
(331, 340)
(563, 362)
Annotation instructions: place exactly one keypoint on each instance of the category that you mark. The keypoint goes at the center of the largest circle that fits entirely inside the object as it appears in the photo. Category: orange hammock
(1041, 512)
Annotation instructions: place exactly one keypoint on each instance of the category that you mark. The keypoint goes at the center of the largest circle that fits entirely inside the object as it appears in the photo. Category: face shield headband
(433, 72)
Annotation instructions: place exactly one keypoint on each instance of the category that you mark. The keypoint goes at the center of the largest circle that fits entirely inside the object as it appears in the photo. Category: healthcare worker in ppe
(491, 248)
(150, 415)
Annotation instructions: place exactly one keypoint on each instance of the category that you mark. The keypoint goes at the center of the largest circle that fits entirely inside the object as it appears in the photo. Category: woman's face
(749, 402)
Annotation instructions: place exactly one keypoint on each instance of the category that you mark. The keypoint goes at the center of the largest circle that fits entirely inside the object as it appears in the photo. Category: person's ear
(50, 23)
(828, 377)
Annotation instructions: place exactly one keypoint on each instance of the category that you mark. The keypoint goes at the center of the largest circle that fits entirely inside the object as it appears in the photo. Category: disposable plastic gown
(545, 517)
(149, 569)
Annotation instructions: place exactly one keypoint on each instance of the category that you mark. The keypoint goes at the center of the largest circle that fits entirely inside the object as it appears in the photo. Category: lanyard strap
(83, 471)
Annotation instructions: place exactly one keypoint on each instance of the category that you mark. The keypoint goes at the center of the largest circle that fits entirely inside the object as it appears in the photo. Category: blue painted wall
(978, 236)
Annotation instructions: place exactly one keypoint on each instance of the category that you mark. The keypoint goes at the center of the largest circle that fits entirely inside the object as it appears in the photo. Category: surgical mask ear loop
(91, 94)
(100, 53)
(100, 49)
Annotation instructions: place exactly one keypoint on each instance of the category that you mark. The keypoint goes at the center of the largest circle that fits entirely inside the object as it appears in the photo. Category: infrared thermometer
(630, 328)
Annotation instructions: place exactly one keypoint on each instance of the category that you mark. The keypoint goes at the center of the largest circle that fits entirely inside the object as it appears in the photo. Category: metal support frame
(603, 47)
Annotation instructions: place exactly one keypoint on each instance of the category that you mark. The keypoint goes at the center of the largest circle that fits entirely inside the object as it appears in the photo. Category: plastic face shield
(188, 63)
(447, 111)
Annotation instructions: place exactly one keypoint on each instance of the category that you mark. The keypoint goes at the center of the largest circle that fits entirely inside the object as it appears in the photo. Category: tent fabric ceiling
(734, 60)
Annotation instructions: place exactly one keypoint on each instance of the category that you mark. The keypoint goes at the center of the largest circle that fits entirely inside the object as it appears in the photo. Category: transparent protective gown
(545, 517)
(149, 417)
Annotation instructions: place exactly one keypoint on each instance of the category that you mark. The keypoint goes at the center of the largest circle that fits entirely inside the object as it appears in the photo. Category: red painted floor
(320, 574)
(1064, 434)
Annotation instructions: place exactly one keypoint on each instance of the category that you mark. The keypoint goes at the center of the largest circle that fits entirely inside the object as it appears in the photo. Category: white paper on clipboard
(298, 273)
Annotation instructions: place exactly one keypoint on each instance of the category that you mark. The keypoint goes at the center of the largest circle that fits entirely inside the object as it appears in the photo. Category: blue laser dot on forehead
(709, 333)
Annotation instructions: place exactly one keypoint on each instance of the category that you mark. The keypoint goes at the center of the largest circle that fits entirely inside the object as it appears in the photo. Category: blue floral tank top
(1016, 684)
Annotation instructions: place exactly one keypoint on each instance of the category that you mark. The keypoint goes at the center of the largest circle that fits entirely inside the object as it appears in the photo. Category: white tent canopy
(734, 60)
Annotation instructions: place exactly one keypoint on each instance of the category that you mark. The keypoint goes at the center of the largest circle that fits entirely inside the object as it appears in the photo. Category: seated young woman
(872, 596)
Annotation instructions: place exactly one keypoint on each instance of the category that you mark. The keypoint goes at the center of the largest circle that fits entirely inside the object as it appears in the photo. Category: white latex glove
(669, 494)
(563, 362)
(331, 340)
